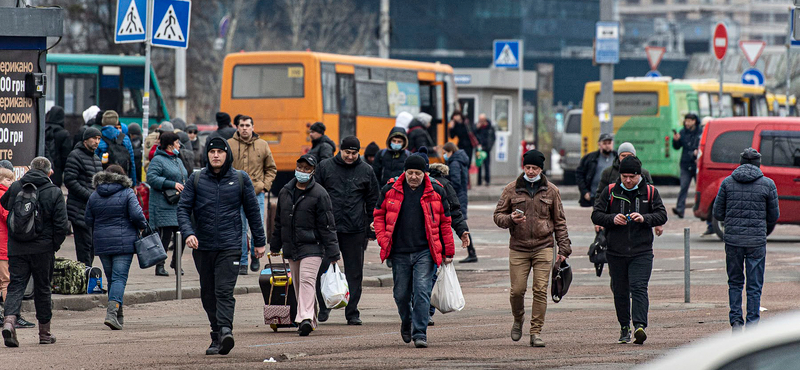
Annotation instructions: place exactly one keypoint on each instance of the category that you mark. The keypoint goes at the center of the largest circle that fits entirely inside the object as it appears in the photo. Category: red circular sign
(720, 40)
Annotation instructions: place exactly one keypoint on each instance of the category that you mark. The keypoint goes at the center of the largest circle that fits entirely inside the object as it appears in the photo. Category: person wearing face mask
(591, 168)
(629, 211)
(389, 162)
(305, 231)
(530, 208)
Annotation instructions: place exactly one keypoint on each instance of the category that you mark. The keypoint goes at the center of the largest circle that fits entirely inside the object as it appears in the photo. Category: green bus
(78, 81)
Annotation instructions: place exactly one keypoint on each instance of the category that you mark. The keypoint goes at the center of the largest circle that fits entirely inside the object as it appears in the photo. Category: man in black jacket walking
(590, 170)
(82, 164)
(34, 258)
(215, 196)
(629, 211)
(322, 147)
(58, 144)
(689, 140)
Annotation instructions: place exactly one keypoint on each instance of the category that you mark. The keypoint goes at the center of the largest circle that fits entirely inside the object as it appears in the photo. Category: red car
(778, 141)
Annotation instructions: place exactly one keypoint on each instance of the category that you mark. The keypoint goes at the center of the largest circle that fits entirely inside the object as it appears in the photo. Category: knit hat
(423, 152)
(350, 142)
(223, 119)
(533, 157)
(7, 164)
(626, 147)
(308, 158)
(134, 129)
(415, 162)
(604, 137)
(372, 150)
(216, 143)
(90, 132)
(318, 127)
(166, 127)
(110, 118)
(751, 156)
(631, 165)
(178, 123)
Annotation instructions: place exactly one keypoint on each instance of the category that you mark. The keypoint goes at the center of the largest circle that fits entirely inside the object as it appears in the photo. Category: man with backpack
(37, 225)
(115, 147)
(57, 143)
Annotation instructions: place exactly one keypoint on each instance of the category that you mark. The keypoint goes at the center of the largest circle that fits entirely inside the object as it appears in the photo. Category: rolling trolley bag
(280, 303)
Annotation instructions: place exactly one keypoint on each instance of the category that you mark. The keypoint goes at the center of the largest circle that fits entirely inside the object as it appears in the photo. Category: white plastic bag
(447, 296)
(334, 287)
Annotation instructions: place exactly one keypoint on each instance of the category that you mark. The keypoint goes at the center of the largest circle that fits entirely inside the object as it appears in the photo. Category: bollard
(686, 266)
(178, 256)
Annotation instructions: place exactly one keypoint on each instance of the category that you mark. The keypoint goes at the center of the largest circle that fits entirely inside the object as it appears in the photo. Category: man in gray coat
(748, 203)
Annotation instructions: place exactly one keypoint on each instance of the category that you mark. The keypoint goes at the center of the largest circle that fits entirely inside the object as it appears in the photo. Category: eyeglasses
(191, 132)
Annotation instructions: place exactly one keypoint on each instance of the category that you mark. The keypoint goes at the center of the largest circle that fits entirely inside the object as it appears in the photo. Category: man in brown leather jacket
(531, 209)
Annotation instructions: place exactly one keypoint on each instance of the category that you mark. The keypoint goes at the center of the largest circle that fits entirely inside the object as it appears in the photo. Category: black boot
(225, 340)
(160, 270)
(213, 349)
(172, 266)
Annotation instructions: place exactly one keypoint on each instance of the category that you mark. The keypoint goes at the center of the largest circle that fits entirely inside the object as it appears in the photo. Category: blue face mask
(634, 188)
(396, 146)
(302, 177)
(532, 180)
(176, 151)
(446, 157)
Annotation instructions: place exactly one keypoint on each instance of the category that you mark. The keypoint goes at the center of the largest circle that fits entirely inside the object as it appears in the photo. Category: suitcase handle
(285, 279)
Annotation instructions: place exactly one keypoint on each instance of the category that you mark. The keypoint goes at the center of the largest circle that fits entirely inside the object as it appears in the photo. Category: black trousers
(21, 269)
(352, 248)
(471, 247)
(218, 273)
(629, 279)
(168, 234)
(84, 250)
(485, 169)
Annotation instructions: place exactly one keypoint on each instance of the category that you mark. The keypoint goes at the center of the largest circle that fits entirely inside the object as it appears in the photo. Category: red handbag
(143, 195)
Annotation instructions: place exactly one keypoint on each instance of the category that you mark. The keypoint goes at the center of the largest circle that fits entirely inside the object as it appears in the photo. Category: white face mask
(302, 177)
(634, 187)
(532, 180)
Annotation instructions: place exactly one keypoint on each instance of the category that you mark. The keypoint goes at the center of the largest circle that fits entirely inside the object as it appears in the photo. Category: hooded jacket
(114, 214)
(254, 157)
(111, 133)
(689, 141)
(216, 204)
(82, 165)
(353, 190)
(544, 216)
(322, 148)
(54, 215)
(611, 175)
(164, 172)
(459, 177)
(748, 202)
(439, 172)
(186, 152)
(389, 163)
(418, 136)
(57, 137)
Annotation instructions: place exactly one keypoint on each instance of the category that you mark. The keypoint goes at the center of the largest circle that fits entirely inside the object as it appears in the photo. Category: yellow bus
(738, 100)
(776, 103)
(286, 92)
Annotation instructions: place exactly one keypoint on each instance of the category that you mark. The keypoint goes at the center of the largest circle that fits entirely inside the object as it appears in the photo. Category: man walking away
(370, 152)
(224, 129)
(253, 156)
(418, 135)
(412, 225)
(82, 165)
(322, 147)
(486, 137)
(462, 128)
(748, 203)
(135, 134)
(214, 196)
(591, 168)
(57, 143)
(33, 200)
(688, 139)
(389, 162)
(353, 190)
(531, 209)
(115, 145)
(629, 211)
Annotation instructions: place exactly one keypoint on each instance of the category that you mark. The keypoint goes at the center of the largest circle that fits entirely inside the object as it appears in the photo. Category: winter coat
(3, 228)
(437, 218)
(216, 205)
(389, 163)
(199, 154)
(486, 136)
(634, 238)
(439, 172)
(111, 133)
(114, 214)
(53, 213)
(544, 216)
(353, 190)
(136, 143)
(611, 175)
(305, 227)
(149, 142)
(254, 157)
(223, 132)
(82, 165)
(163, 173)
(418, 136)
(322, 148)
(748, 203)
(54, 132)
(584, 175)
(459, 177)
(689, 141)
(463, 131)
(186, 152)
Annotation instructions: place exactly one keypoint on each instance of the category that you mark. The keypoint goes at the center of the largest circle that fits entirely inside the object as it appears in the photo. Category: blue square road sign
(506, 53)
(171, 23)
(131, 21)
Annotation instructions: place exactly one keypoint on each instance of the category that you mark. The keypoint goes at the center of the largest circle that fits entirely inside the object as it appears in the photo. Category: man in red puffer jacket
(412, 225)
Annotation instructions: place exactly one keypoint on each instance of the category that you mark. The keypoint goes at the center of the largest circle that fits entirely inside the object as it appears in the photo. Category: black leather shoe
(679, 214)
(405, 332)
(305, 328)
(354, 321)
(160, 271)
(213, 349)
(225, 340)
(242, 270)
(470, 259)
(255, 266)
(322, 316)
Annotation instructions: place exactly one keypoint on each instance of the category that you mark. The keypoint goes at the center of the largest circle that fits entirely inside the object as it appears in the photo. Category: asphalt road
(580, 331)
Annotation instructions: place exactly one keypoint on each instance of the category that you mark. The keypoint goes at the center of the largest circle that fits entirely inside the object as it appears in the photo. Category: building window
(501, 112)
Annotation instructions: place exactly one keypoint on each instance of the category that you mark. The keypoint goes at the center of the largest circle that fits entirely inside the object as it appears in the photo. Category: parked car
(772, 345)
(723, 140)
(569, 145)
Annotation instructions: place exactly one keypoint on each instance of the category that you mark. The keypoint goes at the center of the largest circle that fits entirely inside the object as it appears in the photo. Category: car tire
(719, 227)
(569, 178)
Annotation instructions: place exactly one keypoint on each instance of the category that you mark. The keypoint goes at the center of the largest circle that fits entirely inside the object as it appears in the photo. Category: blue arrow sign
(506, 53)
(753, 76)
(653, 74)
(171, 23)
(131, 21)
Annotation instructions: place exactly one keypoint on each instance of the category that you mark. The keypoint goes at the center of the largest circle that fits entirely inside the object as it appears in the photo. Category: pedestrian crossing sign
(171, 23)
(131, 21)
(506, 53)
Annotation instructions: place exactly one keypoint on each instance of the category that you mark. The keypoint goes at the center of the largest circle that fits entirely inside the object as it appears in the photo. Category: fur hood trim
(104, 177)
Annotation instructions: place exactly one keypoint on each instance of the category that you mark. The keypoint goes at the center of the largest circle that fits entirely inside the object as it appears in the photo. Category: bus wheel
(719, 227)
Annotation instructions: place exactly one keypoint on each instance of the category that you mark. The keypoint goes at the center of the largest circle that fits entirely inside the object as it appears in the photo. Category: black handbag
(597, 252)
(172, 196)
(562, 278)
(149, 250)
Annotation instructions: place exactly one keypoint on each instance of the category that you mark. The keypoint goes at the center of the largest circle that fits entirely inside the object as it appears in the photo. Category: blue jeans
(687, 174)
(243, 261)
(413, 276)
(741, 261)
(116, 267)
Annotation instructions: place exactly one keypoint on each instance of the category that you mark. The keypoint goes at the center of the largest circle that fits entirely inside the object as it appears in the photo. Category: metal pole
(686, 267)
(720, 86)
(180, 84)
(146, 94)
(788, 74)
(383, 42)
(178, 256)
(607, 74)
(520, 103)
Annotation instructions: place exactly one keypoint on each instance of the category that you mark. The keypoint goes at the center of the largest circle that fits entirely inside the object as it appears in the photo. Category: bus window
(371, 93)
(704, 104)
(51, 78)
(131, 95)
(268, 81)
(77, 93)
(727, 105)
(760, 107)
(110, 97)
(329, 88)
(634, 104)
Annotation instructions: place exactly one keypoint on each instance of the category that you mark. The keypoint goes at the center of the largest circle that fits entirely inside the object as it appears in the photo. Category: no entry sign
(720, 40)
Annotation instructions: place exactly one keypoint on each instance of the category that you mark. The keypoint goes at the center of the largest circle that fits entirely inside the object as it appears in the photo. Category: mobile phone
(674, 132)
(519, 211)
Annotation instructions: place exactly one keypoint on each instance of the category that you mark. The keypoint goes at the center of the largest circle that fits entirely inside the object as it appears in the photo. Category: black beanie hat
(217, 143)
(318, 127)
(223, 119)
(533, 157)
(751, 156)
(415, 162)
(350, 142)
(90, 132)
(372, 150)
(631, 165)
(423, 153)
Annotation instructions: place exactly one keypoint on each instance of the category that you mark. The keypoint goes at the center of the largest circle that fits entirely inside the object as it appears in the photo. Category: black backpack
(25, 219)
(118, 153)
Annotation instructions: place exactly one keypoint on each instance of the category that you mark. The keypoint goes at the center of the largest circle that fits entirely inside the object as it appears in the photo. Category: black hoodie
(353, 190)
(389, 163)
(58, 144)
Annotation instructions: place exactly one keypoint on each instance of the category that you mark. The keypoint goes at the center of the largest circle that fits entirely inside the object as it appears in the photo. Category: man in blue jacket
(215, 196)
(748, 203)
